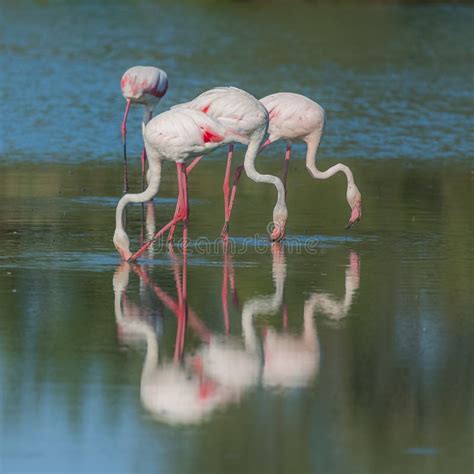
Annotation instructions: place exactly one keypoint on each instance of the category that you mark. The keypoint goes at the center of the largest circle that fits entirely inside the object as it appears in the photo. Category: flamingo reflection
(335, 309)
(226, 366)
(171, 391)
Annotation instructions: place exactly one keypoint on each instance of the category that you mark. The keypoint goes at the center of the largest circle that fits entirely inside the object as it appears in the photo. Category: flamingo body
(180, 134)
(235, 108)
(293, 117)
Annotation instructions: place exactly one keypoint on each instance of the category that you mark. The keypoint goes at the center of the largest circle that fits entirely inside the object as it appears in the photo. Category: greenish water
(341, 352)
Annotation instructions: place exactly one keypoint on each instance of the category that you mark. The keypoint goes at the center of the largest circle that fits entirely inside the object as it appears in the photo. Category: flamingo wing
(180, 134)
(236, 109)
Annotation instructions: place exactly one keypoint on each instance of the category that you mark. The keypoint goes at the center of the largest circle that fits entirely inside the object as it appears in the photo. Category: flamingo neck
(147, 115)
(280, 211)
(147, 195)
(312, 149)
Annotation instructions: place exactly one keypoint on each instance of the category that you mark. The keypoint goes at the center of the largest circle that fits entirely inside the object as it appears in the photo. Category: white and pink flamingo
(144, 85)
(297, 118)
(293, 118)
(184, 133)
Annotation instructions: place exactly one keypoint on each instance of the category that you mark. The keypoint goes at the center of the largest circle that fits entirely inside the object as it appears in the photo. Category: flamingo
(178, 135)
(144, 85)
(247, 118)
(175, 135)
(296, 118)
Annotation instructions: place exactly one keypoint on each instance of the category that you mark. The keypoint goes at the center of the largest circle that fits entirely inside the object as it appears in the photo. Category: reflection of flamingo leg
(198, 326)
(285, 316)
(181, 281)
(233, 289)
(224, 297)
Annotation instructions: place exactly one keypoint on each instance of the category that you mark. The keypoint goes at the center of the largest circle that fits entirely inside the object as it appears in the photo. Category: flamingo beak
(356, 215)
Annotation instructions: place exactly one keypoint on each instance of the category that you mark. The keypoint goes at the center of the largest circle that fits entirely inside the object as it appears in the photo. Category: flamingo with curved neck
(296, 118)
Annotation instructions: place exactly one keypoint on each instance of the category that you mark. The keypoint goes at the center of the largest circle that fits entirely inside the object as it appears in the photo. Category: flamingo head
(122, 244)
(354, 199)
(278, 225)
(144, 85)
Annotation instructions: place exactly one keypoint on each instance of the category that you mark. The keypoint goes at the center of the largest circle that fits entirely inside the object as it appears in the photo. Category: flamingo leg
(185, 206)
(181, 284)
(286, 165)
(143, 161)
(182, 215)
(225, 229)
(264, 145)
(189, 168)
(225, 186)
(124, 141)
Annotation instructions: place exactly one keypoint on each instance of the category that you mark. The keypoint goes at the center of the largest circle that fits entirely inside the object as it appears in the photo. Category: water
(342, 351)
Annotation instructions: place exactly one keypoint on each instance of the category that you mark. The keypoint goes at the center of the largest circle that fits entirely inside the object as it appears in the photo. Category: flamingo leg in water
(181, 287)
(286, 165)
(225, 186)
(143, 161)
(225, 229)
(182, 215)
(177, 210)
(230, 203)
(124, 141)
(185, 205)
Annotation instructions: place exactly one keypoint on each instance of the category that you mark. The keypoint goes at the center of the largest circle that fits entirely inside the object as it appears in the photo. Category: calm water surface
(338, 352)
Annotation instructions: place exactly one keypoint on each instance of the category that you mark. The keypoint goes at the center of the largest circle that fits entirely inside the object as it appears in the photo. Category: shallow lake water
(336, 351)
